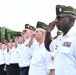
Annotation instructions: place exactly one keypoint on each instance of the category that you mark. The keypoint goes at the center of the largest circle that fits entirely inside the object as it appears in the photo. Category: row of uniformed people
(17, 53)
(18, 57)
(44, 65)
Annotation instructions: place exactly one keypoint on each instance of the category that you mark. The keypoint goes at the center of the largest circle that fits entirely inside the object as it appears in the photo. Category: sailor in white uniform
(25, 56)
(65, 45)
(41, 63)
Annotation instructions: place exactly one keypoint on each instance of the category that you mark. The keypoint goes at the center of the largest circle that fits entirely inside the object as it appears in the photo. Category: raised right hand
(51, 26)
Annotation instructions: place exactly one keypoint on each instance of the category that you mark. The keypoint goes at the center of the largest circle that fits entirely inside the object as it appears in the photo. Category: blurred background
(14, 14)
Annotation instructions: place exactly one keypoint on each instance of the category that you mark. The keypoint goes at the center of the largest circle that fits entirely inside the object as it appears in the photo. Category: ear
(43, 33)
(70, 20)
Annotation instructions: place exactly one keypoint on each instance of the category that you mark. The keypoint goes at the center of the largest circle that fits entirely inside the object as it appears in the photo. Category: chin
(36, 39)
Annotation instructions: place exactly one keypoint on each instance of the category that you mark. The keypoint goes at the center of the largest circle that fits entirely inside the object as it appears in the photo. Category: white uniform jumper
(65, 48)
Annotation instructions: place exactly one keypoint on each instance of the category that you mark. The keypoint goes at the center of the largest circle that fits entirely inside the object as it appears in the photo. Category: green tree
(6, 34)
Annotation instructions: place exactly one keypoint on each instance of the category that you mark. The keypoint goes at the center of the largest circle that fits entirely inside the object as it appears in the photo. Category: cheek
(36, 36)
(18, 40)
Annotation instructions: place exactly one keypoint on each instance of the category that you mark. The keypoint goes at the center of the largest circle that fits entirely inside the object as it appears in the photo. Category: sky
(14, 14)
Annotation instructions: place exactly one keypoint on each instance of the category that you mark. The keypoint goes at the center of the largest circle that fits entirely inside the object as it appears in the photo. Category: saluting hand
(51, 26)
(31, 39)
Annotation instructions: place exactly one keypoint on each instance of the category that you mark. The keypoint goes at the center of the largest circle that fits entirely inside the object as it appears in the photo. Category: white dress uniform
(2, 57)
(26, 41)
(8, 55)
(65, 48)
(15, 54)
(40, 62)
(2, 62)
(14, 59)
(25, 57)
(7, 58)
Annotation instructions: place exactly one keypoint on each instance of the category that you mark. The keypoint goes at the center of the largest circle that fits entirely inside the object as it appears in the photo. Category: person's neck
(21, 43)
(41, 41)
(65, 31)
